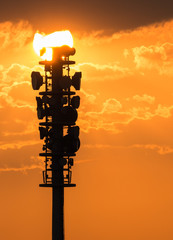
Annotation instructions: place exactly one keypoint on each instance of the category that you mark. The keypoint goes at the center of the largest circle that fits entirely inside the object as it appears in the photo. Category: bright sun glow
(56, 39)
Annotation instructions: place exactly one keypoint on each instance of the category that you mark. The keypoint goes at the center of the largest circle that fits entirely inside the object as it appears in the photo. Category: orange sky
(123, 169)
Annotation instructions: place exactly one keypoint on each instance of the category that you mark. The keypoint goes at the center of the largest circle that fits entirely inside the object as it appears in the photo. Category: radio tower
(56, 106)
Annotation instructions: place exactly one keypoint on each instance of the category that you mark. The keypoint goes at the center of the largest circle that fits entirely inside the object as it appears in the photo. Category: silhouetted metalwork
(57, 107)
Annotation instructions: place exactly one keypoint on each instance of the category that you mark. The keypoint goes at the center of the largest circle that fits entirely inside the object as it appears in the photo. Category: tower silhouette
(57, 107)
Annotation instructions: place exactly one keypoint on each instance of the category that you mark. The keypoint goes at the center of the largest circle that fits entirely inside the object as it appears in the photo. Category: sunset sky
(124, 168)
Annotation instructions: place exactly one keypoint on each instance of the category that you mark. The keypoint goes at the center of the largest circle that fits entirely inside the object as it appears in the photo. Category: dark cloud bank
(88, 15)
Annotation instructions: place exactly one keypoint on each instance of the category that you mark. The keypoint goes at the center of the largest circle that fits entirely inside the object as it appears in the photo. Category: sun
(56, 39)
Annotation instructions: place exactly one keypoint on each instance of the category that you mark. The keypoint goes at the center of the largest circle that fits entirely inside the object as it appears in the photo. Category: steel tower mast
(57, 107)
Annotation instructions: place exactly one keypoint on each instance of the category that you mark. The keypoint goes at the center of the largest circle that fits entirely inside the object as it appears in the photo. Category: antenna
(56, 107)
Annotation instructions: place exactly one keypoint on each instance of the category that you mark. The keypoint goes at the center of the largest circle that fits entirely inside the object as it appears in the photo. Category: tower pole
(58, 213)
(57, 168)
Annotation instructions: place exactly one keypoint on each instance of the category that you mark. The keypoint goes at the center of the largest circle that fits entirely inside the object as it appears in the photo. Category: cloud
(133, 69)
(15, 83)
(102, 72)
(22, 169)
(125, 54)
(111, 105)
(162, 150)
(144, 98)
(16, 73)
(87, 98)
(114, 114)
(18, 144)
(15, 36)
(114, 93)
(156, 32)
(163, 111)
(159, 57)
